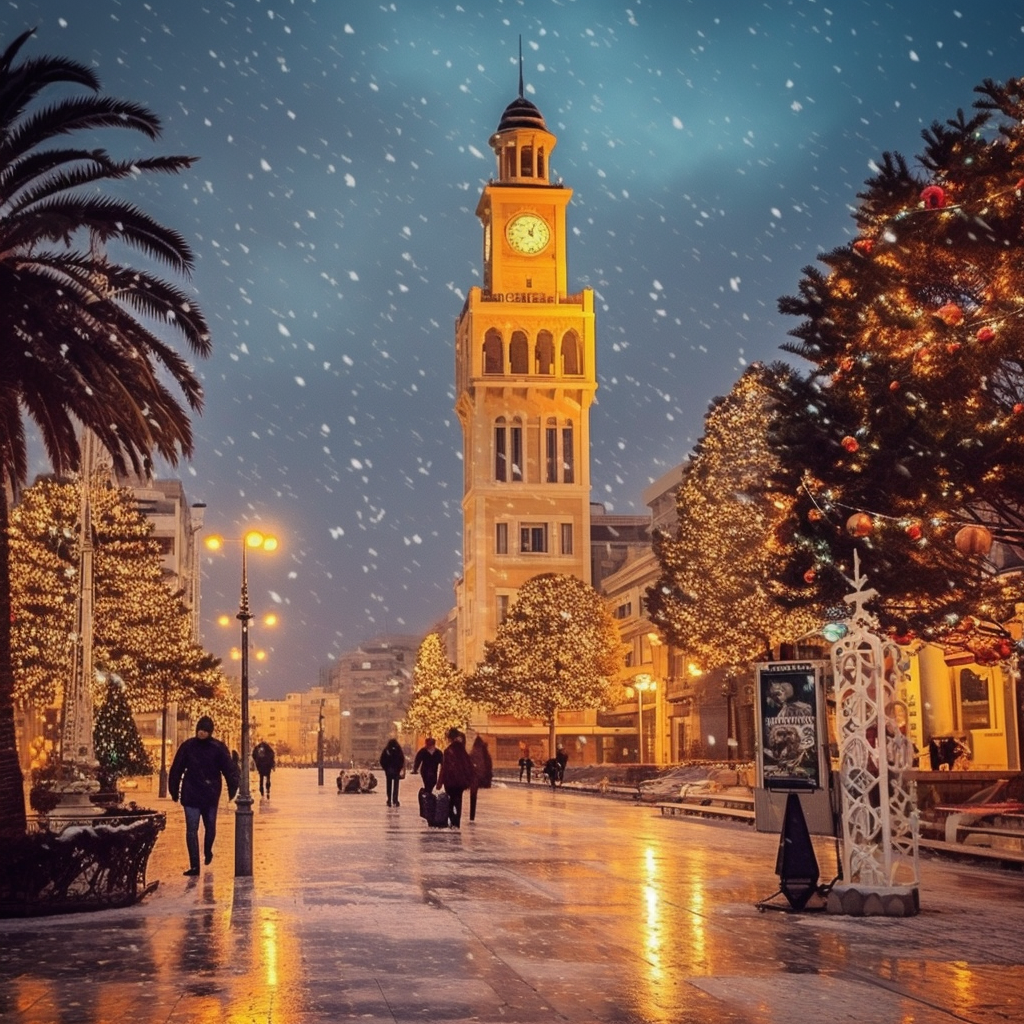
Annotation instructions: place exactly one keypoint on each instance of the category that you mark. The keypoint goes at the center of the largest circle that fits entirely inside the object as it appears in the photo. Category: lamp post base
(243, 836)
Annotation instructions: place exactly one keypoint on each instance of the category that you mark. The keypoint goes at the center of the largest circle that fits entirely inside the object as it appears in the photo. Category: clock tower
(525, 379)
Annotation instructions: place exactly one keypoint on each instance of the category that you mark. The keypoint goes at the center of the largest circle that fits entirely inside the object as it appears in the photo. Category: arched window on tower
(494, 358)
(526, 162)
(568, 454)
(519, 353)
(540, 162)
(551, 451)
(516, 449)
(500, 450)
(572, 362)
(545, 354)
(508, 169)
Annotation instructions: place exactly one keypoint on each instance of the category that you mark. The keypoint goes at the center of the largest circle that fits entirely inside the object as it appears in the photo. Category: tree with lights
(119, 747)
(906, 437)
(141, 630)
(77, 350)
(558, 650)
(712, 599)
(438, 702)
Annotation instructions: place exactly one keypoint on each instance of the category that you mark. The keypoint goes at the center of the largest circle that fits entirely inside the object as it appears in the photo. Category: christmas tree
(711, 599)
(119, 748)
(906, 438)
(438, 702)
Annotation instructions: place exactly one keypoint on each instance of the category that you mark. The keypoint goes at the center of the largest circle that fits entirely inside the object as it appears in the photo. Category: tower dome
(521, 113)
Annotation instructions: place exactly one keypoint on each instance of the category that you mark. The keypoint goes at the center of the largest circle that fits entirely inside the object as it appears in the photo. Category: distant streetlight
(642, 684)
(243, 802)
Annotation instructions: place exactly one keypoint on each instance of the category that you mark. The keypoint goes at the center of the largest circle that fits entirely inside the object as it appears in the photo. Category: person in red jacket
(195, 777)
(456, 775)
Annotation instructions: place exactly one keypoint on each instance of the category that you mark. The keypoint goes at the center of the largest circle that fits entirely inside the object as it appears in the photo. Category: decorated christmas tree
(119, 747)
(906, 437)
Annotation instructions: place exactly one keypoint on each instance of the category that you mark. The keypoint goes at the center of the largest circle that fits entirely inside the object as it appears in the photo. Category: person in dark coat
(428, 762)
(392, 760)
(456, 775)
(263, 759)
(483, 772)
(195, 778)
(525, 765)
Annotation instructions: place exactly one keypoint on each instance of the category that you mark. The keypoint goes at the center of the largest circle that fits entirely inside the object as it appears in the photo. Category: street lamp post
(243, 801)
(320, 748)
(642, 683)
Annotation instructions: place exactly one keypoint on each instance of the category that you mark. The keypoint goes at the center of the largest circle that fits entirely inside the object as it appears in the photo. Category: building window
(501, 538)
(526, 162)
(551, 454)
(500, 452)
(519, 353)
(516, 438)
(494, 358)
(533, 538)
(568, 456)
(545, 354)
(566, 538)
(572, 364)
(502, 607)
(623, 611)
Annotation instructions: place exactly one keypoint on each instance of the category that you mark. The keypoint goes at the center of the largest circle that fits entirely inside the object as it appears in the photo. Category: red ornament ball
(913, 531)
(860, 524)
(864, 246)
(985, 334)
(953, 347)
(850, 444)
(934, 197)
(1018, 408)
(894, 386)
(809, 576)
(950, 314)
(813, 515)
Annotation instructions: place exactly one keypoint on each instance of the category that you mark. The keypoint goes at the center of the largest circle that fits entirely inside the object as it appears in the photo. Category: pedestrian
(483, 772)
(427, 762)
(456, 775)
(563, 759)
(525, 765)
(263, 759)
(551, 770)
(392, 760)
(195, 777)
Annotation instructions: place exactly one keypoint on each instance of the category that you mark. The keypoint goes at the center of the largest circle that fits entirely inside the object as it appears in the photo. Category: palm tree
(75, 350)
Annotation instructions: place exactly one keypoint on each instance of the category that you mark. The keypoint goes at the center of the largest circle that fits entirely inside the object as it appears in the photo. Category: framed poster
(790, 725)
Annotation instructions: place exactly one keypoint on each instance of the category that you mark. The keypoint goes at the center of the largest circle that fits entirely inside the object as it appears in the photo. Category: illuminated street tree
(558, 650)
(77, 351)
(711, 599)
(141, 630)
(910, 423)
(438, 702)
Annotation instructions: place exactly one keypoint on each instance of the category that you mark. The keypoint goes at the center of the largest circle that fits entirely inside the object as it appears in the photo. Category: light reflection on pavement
(551, 907)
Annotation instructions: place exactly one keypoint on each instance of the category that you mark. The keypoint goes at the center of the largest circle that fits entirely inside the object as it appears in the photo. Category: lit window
(566, 538)
(533, 538)
(501, 538)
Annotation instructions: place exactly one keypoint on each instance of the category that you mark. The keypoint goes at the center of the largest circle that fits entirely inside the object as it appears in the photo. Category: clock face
(527, 233)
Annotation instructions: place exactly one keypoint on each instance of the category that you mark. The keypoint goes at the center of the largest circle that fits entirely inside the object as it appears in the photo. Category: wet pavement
(550, 907)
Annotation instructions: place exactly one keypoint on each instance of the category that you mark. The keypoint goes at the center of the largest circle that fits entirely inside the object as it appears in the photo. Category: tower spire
(520, 67)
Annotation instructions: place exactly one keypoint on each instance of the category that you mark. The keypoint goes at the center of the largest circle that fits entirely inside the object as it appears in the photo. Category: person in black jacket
(392, 760)
(195, 777)
(427, 763)
(456, 774)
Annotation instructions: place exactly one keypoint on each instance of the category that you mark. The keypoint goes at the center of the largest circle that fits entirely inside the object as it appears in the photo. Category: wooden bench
(736, 807)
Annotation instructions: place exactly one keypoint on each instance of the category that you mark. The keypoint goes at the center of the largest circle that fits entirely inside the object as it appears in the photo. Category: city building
(373, 684)
(292, 726)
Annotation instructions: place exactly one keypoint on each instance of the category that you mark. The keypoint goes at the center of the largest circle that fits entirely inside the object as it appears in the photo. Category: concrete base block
(874, 901)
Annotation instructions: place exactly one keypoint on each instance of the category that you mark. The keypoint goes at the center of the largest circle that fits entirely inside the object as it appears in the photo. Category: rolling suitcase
(427, 803)
(439, 818)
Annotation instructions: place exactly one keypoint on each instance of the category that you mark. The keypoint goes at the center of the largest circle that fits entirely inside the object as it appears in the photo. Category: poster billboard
(790, 725)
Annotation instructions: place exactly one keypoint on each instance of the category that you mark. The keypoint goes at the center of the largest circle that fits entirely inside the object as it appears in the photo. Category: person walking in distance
(428, 762)
(263, 758)
(525, 765)
(483, 772)
(392, 760)
(195, 778)
(456, 775)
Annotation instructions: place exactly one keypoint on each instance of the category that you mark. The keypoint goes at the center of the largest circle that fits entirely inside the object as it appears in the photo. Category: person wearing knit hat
(195, 778)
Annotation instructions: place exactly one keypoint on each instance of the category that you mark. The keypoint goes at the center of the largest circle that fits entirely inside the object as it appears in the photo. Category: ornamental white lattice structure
(879, 811)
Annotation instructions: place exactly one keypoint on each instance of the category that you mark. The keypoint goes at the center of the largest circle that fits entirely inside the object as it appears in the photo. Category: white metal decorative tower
(879, 813)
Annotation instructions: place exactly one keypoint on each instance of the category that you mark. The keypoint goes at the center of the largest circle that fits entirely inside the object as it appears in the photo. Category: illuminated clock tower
(525, 379)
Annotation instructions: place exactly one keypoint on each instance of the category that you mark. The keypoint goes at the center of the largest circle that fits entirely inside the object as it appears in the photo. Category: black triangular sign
(796, 866)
